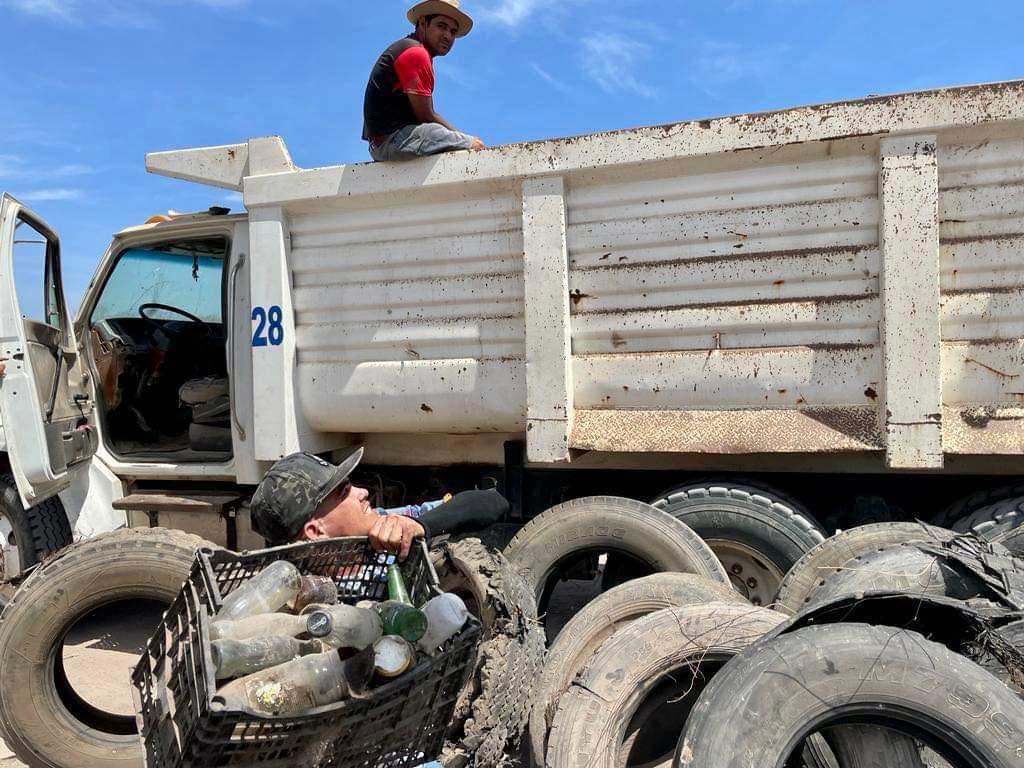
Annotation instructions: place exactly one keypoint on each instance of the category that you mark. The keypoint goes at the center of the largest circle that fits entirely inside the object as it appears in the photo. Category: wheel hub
(751, 574)
(10, 556)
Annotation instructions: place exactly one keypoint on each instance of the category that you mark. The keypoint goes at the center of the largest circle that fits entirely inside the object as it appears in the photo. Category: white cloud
(9, 165)
(112, 12)
(72, 169)
(58, 9)
(50, 195)
(611, 61)
(550, 79)
(721, 63)
(16, 167)
(233, 197)
(513, 13)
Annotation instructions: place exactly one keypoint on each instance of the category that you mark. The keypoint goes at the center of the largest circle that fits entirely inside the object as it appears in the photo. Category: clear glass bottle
(446, 614)
(263, 625)
(344, 626)
(298, 685)
(269, 590)
(233, 658)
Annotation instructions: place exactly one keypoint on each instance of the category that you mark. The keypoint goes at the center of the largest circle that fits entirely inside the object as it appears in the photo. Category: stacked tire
(676, 668)
(678, 551)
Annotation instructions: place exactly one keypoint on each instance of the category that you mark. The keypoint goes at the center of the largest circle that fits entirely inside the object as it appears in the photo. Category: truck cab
(134, 395)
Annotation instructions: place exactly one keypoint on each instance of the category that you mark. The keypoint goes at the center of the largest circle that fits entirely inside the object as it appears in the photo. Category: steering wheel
(175, 310)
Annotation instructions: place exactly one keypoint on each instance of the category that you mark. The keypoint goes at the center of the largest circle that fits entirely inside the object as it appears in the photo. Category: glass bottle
(314, 590)
(393, 656)
(269, 590)
(264, 625)
(397, 613)
(344, 626)
(233, 658)
(298, 685)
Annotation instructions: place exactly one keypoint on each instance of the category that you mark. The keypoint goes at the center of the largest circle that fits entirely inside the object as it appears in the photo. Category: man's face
(343, 513)
(439, 35)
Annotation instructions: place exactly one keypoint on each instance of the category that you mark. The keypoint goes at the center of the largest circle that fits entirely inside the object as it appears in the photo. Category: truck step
(211, 514)
(172, 501)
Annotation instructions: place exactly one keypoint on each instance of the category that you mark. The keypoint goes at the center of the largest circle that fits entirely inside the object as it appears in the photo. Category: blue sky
(91, 85)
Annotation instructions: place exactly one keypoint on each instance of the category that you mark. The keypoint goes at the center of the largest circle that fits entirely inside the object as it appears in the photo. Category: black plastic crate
(399, 724)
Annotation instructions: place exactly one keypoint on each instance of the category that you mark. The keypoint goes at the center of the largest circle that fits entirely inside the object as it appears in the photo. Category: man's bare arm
(423, 110)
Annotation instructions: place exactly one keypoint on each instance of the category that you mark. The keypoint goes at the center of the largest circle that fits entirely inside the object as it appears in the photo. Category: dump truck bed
(836, 279)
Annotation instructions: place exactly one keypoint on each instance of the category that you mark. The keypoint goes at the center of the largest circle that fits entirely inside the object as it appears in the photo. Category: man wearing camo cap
(304, 498)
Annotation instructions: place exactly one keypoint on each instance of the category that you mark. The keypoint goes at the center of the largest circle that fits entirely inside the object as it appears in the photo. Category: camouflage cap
(293, 489)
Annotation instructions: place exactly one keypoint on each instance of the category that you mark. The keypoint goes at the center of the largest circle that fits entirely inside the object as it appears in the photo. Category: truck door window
(34, 276)
(36, 270)
(158, 345)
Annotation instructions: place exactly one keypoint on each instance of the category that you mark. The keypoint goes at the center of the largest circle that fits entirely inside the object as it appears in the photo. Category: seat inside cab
(158, 345)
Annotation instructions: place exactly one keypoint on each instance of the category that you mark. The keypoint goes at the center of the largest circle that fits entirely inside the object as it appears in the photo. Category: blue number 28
(269, 327)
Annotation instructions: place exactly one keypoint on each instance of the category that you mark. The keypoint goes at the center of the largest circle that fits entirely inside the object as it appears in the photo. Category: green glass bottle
(398, 615)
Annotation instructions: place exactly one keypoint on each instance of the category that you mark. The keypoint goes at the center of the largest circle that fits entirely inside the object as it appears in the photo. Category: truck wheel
(993, 520)
(757, 534)
(42, 718)
(968, 505)
(494, 704)
(27, 536)
(836, 551)
(816, 678)
(587, 631)
(899, 568)
(639, 538)
(626, 707)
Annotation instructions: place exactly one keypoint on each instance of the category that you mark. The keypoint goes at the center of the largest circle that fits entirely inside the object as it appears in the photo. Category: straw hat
(448, 8)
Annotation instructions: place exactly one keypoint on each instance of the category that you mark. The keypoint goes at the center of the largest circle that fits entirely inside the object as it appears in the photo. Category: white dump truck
(830, 295)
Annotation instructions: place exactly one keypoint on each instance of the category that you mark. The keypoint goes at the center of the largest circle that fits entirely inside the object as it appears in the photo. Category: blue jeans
(414, 141)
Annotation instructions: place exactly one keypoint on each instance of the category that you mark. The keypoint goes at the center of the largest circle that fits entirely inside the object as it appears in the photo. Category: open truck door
(46, 409)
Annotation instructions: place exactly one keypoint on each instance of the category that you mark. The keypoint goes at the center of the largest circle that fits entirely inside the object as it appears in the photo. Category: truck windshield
(189, 281)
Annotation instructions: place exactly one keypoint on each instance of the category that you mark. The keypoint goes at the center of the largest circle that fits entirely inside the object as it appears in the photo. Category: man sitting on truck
(399, 120)
(304, 498)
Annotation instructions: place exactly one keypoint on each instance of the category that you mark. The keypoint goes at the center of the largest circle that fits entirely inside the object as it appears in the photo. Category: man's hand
(3, 366)
(394, 534)
(477, 145)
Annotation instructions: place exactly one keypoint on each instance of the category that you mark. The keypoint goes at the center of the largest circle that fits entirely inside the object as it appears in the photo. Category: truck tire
(835, 552)
(28, 535)
(757, 534)
(879, 676)
(1013, 540)
(649, 672)
(993, 520)
(42, 718)
(587, 631)
(968, 505)
(899, 568)
(494, 705)
(658, 541)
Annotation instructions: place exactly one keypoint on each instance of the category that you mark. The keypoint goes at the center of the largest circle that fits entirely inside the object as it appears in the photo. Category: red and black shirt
(404, 68)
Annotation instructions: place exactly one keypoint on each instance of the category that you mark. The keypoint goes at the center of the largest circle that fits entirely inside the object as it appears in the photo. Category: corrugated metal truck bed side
(846, 278)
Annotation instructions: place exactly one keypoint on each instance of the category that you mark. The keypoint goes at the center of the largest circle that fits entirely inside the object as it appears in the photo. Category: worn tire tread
(492, 711)
(54, 592)
(834, 553)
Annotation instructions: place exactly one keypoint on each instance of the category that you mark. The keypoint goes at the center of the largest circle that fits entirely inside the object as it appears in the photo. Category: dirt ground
(98, 656)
